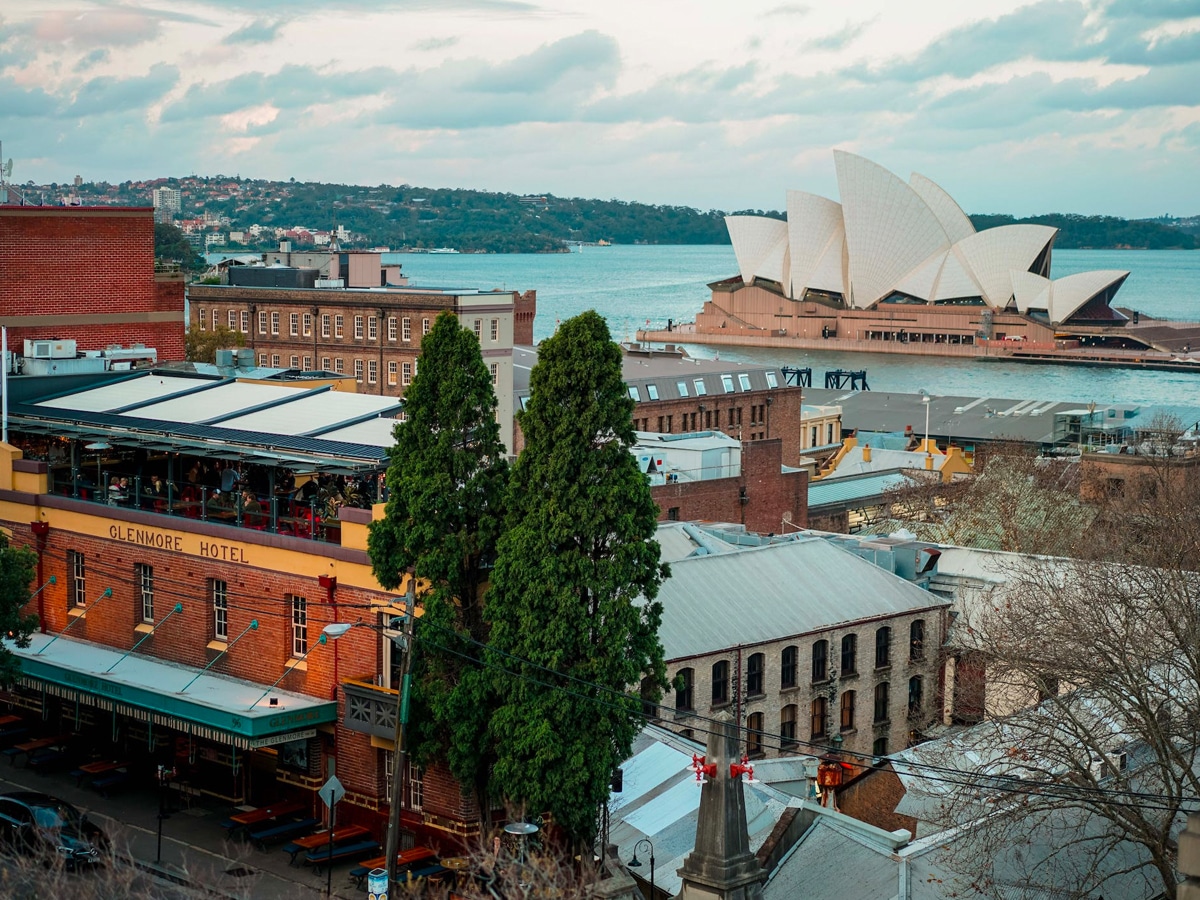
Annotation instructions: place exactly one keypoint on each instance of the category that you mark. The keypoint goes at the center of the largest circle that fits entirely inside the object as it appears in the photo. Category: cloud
(108, 94)
(789, 9)
(1153, 9)
(93, 58)
(434, 43)
(840, 39)
(590, 55)
(297, 8)
(259, 31)
(117, 26)
(292, 87)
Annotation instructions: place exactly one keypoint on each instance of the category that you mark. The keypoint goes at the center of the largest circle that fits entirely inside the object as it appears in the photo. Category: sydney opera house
(900, 262)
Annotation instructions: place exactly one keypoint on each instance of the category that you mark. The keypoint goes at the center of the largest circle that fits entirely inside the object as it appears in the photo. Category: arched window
(850, 654)
(787, 667)
(720, 683)
(684, 679)
(883, 647)
(916, 639)
(820, 660)
(754, 734)
(848, 711)
(819, 713)
(881, 702)
(787, 725)
(754, 675)
(916, 695)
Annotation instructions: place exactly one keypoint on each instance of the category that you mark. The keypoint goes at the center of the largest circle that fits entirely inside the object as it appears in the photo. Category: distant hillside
(408, 217)
(1102, 232)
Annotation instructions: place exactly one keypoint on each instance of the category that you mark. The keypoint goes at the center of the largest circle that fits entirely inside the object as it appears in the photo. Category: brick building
(149, 590)
(88, 274)
(809, 646)
(373, 334)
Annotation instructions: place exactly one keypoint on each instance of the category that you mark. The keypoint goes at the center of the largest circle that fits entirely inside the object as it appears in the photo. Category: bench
(104, 782)
(433, 870)
(47, 760)
(282, 831)
(404, 859)
(319, 858)
(320, 839)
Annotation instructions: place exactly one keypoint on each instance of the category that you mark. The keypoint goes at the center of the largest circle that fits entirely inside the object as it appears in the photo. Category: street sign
(331, 792)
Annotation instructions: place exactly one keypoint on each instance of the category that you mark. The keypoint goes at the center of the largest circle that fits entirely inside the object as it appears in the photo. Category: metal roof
(830, 492)
(377, 432)
(125, 392)
(216, 403)
(315, 413)
(764, 594)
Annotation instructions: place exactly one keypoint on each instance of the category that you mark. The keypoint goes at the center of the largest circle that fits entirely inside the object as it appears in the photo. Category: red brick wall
(524, 312)
(770, 494)
(873, 798)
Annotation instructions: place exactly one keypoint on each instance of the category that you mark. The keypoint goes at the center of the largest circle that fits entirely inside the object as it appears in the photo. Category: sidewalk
(194, 846)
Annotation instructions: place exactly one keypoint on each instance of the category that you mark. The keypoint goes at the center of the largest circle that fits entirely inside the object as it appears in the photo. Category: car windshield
(59, 815)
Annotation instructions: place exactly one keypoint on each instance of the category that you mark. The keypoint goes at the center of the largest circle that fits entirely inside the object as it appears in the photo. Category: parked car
(41, 825)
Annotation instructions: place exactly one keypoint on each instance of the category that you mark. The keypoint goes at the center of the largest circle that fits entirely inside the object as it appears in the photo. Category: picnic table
(321, 839)
(98, 768)
(30, 747)
(241, 823)
(10, 719)
(403, 858)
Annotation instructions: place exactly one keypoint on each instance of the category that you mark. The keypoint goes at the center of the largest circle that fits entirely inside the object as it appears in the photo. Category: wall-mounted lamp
(334, 631)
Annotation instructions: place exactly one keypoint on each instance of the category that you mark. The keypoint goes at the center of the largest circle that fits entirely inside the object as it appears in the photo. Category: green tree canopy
(16, 572)
(574, 586)
(446, 486)
(171, 245)
(202, 346)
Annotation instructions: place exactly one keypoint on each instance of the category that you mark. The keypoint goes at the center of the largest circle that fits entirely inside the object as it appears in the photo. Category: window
(294, 362)
(391, 326)
(262, 322)
(372, 371)
(325, 326)
(820, 660)
(772, 381)
(754, 674)
(262, 359)
(245, 321)
(881, 702)
(879, 748)
(233, 320)
(633, 393)
(916, 640)
(848, 710)
(787, 725)
(143, 578)
(339, 365)
(372, 328)
(727, 383)
(699, 385)
(754, 734)
(202, 318)
(883, 647)
(494, 368)
(406, 328)
(218, 590)
(275, 360)
(477, 327)
(819, 710)
(829, 433)
(339, 322)
(358, 328)
(673, 514)
(358, 370)
(77, 586)
(299, 626)
(406, 373)
(850, 654)
(744, 381)
(495, 329)
(325, 363)
(916, 695)
(652, 391)
(308, 324)
(308, 364)
(294, 324)
(392, 367)
(787, 667)
(684, 680)
(720, 683)
(424, 326)
(416, 786)
(812, 436)
(682, 387)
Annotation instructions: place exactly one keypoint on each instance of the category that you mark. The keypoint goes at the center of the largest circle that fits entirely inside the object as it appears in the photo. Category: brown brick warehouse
(46, 290)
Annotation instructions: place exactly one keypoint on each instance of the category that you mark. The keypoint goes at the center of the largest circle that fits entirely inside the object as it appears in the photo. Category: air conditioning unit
(51, 349)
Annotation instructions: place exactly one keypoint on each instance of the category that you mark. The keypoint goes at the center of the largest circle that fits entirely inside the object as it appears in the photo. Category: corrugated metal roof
(127, 391)
(217, 403)
(828, 864)
(763, 594)
(844, 490)
(376, 432)
(315, 413)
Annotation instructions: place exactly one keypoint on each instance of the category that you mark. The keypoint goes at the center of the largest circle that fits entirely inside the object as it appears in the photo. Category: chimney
(866, 452)
(929, 461)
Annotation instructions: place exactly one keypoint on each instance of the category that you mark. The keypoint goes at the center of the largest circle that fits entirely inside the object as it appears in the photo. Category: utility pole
(400, 748)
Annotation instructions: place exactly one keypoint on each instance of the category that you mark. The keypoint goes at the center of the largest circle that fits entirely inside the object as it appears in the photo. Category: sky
(1046, 106)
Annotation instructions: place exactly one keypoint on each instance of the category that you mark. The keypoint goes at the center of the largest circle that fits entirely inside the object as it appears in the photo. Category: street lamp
(636, 863)
(925, 398)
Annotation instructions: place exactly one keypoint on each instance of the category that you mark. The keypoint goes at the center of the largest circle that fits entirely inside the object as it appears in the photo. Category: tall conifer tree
(577, 553)
(446, 486)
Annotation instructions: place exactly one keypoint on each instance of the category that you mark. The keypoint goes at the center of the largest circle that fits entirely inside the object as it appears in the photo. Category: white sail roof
(1068, 295)
(890, 230)
(830, 274)
(814, 230)
(920, 281)
(955, 281)
(1028, 288)
(955, 222)
(990, 255)
(755, 239)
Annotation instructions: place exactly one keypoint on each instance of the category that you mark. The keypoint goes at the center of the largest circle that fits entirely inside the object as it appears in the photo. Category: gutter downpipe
(902, 893)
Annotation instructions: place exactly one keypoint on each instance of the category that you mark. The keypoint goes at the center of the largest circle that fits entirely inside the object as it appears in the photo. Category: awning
(212, 706)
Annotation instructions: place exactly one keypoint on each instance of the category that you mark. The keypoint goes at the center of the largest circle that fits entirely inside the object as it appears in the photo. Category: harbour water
(632, 284)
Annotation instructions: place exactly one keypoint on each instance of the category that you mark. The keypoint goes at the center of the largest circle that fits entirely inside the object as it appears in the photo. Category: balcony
(370, 709)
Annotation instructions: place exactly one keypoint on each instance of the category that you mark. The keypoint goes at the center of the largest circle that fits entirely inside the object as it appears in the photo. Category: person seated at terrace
(251, 509)
(218, 501)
